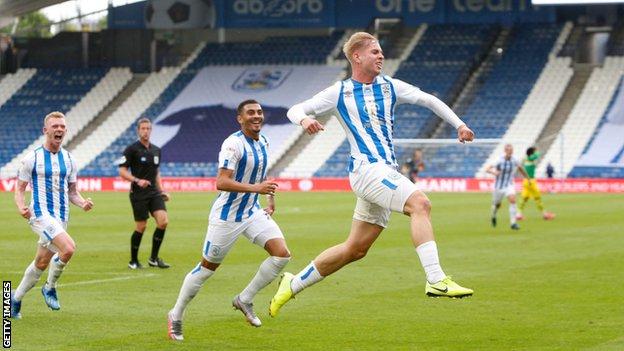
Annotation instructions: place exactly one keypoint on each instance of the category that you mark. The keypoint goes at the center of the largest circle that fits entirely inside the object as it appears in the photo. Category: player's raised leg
(361, 238)
(418, 207)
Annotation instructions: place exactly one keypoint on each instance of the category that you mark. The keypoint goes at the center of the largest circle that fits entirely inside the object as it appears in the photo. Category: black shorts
(142, 207)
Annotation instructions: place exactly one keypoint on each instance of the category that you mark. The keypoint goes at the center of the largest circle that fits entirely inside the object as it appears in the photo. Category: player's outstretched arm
(77, 199)
(297, 115)
(464, 134)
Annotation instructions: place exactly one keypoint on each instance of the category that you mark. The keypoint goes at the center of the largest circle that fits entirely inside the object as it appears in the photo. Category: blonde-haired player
(51, 172)
(365, 106)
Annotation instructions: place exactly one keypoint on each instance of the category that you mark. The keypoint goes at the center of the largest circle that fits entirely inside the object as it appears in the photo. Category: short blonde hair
(55, 114)
(356, 42)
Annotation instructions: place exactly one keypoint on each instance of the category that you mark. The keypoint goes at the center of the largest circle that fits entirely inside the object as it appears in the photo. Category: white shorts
(221, 235)
(380, 189)
(47, 227)
(499, 194)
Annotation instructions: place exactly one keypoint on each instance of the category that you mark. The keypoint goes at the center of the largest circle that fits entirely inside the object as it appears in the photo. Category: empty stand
(13, 82)
(499, 100)
(46, 91)
(536, 110)
(292, 50)
(585, 116)
(604, 154)
(81, 114)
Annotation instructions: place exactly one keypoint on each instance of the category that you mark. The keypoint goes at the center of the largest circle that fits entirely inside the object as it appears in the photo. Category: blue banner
(496, 11)
(321, 13)
(278, 13)
(353, 14)
(131, 16)
(350, 14)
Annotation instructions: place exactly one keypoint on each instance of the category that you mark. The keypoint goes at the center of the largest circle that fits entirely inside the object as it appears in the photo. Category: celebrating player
(365, 105)
(51, 172)
(505, 170)
(241, 177)
(146, 193)
(529, 186)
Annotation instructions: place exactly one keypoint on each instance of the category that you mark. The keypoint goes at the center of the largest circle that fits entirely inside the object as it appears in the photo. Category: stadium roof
(10, 9)
(14, 8)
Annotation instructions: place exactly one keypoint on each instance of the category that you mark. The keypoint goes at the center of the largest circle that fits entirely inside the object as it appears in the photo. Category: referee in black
(139, 165)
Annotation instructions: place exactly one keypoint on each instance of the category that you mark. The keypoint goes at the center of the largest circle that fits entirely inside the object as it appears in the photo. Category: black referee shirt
(143, 164)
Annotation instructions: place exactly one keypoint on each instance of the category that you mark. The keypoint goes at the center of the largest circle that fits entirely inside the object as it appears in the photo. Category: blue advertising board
(344, 13)
(351, 14)
(130, 16)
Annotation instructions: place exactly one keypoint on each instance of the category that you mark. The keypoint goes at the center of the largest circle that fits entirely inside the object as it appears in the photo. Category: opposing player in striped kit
(505, 170)
(51, 172)
(236, 211)
(364, 105)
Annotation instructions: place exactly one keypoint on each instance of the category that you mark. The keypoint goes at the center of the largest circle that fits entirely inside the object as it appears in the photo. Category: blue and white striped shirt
(366, 112)
(248, 159)
(49, 175)
(507, 168)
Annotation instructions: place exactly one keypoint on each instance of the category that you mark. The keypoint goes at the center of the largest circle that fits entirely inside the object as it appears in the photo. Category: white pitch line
(73, 273)
(96, 281)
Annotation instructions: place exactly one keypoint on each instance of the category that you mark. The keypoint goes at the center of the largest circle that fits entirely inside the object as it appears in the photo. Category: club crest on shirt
(155, 160)
(347, 93)
(143, 159)
(385, 89)
(255, 79)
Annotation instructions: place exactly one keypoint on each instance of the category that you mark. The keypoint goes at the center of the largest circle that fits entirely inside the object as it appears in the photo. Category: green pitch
(551, 285)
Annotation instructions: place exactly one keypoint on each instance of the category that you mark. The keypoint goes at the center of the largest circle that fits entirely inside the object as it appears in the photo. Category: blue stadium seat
(21, 117)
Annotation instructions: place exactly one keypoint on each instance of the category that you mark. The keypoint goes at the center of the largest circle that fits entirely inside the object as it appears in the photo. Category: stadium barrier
(459, 185)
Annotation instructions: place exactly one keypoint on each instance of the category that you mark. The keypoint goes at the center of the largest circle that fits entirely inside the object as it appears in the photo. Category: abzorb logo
(6, 314)
(257, 79)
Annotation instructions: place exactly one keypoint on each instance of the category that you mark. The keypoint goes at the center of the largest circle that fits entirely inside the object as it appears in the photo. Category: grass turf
(551, 285)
